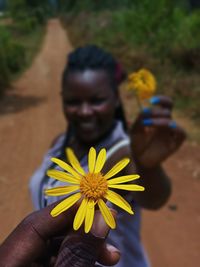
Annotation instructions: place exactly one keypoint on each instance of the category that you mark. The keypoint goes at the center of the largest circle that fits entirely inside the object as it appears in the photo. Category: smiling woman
(85, 107)
(94, 112)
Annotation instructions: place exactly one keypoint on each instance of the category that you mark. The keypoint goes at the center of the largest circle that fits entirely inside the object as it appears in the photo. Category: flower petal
(130, 187)
(61, 190)
(65, 204)
(100, 160)
(89, 217)
(91, 159)
(119, 201)
(74, 161)
(107, 214)
(80, 215)
(63, 177)
(117, 168)
(65, 166)
(123, 179)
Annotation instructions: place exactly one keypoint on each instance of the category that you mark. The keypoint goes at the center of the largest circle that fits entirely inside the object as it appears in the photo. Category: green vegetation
(21, 33)
(28, 14)
(11, 54)
(162, 35)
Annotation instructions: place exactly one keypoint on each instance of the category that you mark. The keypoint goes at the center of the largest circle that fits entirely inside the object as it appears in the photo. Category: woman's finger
(156, 113)
(159, 123)
(166, 124)
(162, 100)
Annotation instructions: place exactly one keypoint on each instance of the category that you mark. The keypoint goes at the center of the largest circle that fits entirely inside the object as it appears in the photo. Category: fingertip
(110, 255)
(154, 100)
(173, 124)
(115, 253)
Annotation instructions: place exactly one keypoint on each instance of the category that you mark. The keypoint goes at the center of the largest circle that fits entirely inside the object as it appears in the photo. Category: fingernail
(146, 110)
(154, 100)
(147, 122)
(172, 124)
(113, 249)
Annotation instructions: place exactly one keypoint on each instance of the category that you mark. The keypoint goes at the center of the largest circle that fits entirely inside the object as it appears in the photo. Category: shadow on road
(13, 102)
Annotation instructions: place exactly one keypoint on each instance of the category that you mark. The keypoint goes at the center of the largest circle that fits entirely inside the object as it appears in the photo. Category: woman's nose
(85, 109)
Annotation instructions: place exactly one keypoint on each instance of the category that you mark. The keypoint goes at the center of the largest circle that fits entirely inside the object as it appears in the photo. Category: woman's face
(89, 104)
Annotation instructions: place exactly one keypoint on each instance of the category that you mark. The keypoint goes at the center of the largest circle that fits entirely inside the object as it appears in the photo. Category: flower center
(93, 185)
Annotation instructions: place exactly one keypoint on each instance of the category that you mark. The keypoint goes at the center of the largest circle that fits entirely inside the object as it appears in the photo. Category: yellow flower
(91, 188)
(143, 82)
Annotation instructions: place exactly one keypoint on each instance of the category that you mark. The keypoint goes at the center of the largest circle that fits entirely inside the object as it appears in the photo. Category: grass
(17, 51)
(32, 43)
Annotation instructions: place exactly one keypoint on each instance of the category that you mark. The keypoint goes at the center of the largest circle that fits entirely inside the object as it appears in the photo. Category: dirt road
(30, 118)
(32, 111)
(172, 234)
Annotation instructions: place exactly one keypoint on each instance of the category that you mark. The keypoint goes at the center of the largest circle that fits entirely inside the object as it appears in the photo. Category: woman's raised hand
(155, 135)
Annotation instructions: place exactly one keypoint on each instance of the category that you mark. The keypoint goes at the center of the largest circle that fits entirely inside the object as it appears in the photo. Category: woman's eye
(98, 101)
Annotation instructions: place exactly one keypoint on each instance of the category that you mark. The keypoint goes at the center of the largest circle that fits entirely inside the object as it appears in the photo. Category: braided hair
(94, 58)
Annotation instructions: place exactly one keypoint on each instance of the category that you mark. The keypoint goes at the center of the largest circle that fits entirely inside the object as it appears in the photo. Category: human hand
(30, 242)
(155, 135)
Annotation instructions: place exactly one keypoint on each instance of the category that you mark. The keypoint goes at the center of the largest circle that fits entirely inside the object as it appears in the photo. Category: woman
(93, 109)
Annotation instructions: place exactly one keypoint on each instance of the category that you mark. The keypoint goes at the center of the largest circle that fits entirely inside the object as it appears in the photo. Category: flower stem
(139, 102)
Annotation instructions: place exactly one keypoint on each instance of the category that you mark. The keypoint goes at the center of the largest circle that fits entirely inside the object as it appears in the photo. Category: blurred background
(160, 35)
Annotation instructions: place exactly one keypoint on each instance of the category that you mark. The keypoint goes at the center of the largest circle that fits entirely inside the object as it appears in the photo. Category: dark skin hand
(150, 145)
(30, 243)
(155, 137)
(153, 143)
